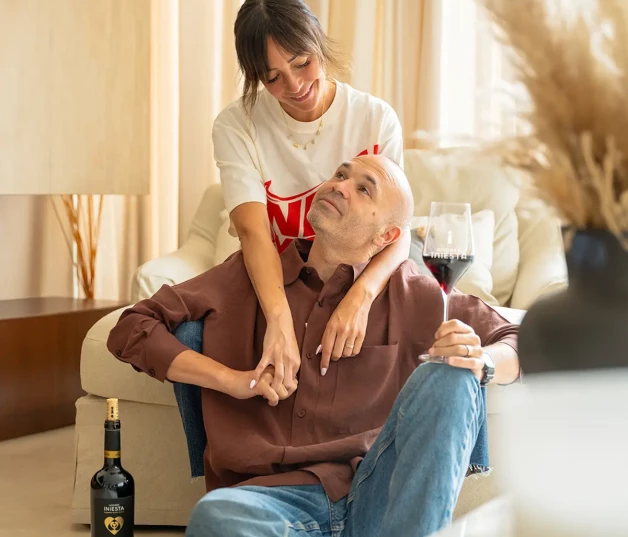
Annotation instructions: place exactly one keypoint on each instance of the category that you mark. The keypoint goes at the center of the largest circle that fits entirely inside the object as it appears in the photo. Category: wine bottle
(112, 487)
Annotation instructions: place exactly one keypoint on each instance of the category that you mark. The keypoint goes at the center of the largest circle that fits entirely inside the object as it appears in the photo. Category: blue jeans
(190, 407)
(406, 486)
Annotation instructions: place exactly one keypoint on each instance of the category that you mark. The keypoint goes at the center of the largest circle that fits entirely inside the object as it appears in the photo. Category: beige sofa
(526, 260)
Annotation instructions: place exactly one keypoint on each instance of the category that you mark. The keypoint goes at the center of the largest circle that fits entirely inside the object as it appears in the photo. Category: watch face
(488, 360)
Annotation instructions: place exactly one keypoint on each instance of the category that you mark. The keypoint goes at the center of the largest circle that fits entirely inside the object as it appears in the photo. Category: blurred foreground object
(564, 448)
(572, 60)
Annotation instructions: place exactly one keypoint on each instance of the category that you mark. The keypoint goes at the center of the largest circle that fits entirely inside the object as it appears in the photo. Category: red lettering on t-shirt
(288, 215)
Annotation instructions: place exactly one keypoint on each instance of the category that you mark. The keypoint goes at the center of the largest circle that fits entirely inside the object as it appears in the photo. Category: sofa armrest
(542, 265)
(193, 258)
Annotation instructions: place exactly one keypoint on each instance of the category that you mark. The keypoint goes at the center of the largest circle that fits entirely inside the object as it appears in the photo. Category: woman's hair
(292, 26)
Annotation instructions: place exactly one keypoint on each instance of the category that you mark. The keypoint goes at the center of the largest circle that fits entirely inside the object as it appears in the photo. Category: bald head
(365, 206)
(397, 188)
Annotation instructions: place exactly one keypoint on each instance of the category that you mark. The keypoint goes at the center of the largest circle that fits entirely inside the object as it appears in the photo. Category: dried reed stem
(83, 226)
(574, 67)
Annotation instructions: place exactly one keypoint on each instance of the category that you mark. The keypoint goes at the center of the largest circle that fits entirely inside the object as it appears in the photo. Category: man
(368, 445)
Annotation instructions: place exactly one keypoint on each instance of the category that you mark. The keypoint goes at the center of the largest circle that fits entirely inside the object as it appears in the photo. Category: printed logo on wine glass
(450, 253)
(114, 525)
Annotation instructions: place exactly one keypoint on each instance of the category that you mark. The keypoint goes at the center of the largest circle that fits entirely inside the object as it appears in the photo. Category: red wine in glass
(448, 270)
(448, 251)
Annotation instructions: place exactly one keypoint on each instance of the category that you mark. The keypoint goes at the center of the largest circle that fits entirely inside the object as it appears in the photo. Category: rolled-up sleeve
(488, 324)
(143, 336)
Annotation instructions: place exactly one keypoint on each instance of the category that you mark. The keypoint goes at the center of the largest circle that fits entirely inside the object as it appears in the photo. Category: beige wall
(75, 119)
(34, 259)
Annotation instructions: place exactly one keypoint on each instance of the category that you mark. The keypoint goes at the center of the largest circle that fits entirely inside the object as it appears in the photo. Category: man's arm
(506, 363)
(143, 336)
(191, 367)
(489, 332)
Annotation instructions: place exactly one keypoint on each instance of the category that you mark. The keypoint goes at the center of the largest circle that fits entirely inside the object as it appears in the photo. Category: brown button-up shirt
(320, 432)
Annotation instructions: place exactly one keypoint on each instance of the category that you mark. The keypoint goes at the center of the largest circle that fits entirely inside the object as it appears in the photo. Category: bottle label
(113, 517)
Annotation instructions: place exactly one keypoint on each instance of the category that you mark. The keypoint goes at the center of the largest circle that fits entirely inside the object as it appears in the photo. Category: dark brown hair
(292, 26)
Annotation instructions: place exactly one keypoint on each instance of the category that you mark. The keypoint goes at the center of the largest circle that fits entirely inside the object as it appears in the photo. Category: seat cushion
(104, 375)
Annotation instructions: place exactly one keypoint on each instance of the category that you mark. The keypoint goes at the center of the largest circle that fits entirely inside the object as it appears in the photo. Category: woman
(274, 147)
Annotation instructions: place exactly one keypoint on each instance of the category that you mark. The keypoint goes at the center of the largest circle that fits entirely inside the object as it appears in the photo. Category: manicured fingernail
(323, 371)
(319, 349)
(253, 383)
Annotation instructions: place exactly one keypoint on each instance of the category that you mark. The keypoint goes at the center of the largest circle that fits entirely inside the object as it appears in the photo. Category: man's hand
(282, 352)
(461, 345)
(345, 330)
(239, 386)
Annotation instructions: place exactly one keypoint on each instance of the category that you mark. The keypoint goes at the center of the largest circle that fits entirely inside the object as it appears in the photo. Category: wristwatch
(488, 371)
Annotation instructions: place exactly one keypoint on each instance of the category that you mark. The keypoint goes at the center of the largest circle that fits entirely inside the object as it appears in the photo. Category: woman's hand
(461, 345)
(282, 352)
(239, 386)
(344, 334)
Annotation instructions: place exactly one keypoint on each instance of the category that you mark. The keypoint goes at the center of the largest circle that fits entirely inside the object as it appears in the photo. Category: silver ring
(468, 350)
(349, 345)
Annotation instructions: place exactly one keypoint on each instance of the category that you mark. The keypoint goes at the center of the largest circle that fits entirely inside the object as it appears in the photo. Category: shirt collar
(294, 258)
(291, 260)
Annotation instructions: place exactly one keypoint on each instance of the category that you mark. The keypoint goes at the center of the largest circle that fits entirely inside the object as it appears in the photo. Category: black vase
(585, 326)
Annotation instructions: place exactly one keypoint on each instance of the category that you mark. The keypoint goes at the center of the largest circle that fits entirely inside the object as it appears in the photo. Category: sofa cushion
(470, 176)
(104, 375)
(207, 218)
(226, 243)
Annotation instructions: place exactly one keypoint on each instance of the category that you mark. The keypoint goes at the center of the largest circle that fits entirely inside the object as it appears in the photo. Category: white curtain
(395, 49)
(194, 76)
(476, 93)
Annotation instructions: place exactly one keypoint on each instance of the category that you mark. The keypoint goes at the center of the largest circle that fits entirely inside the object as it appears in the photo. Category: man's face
(352, 207)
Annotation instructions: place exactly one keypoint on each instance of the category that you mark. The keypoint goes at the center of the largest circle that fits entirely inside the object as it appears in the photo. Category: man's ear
(388, 236)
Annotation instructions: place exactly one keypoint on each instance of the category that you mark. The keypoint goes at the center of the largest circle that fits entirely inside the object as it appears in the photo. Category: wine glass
(448, 250)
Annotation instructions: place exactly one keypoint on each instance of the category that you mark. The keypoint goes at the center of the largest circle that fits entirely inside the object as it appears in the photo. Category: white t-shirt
(258, 161)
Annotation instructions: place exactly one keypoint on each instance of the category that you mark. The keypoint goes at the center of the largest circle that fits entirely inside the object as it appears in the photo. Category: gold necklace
(318, 131)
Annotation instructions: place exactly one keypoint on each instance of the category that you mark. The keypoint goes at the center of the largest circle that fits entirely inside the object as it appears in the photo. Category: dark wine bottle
(112, 487)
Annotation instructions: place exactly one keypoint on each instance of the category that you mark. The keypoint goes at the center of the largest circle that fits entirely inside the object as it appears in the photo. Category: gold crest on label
(114, 525)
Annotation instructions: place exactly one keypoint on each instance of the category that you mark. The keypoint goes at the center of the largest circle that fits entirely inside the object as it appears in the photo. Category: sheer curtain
(395, 49)
(194, 77)
(477, 97)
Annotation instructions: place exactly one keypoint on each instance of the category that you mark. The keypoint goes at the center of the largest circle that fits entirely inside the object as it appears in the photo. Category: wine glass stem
(445, 306)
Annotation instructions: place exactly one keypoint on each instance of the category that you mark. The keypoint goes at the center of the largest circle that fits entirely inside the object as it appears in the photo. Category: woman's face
(297, 82)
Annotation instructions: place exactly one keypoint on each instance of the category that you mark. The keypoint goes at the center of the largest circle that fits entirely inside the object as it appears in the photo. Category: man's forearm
(190, 367)
(506, 363)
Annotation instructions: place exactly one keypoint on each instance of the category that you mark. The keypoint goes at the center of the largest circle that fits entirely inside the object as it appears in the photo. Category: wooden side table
(40, 351)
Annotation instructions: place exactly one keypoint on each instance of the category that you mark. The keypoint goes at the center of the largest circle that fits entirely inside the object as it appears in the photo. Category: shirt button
(320, 303)
(118, 353)
(301, 413)
(151, 372)
(310, 355)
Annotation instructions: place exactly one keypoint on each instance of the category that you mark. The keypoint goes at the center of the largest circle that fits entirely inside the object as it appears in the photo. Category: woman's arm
(347, 325)
(265, 271)
(377, 273)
